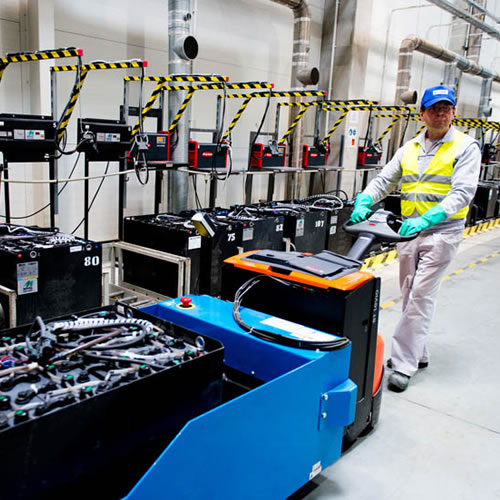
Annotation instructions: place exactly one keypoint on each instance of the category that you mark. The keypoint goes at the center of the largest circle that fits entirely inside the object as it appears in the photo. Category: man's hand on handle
(432, 217)
(361, 208)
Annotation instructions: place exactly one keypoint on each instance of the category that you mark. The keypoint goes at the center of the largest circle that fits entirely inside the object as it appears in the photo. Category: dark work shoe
(421, 364)
(398, 382)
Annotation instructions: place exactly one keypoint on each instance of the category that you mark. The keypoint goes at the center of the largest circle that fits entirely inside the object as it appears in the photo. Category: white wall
(246, 40)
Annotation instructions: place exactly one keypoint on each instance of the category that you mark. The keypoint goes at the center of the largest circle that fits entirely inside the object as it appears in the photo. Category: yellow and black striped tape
(473, 123)
(330, 107)
(383, 258)
(387, 130)
(40, 55)
(398, 116)
(285, 93)
(217, 86)
(145, 110)
(77, 88)
(179, 78)
(351, 104)
(161, 86)
(299, 116)
(335, 126)
(75, 93)
(237, 116)
(179, 114)
(355, 102)
(208, 86)
(419, 130)
(102, 65)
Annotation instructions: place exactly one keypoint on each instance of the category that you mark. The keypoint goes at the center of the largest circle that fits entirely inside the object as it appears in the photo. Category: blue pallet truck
(283, 420)
(288, 397)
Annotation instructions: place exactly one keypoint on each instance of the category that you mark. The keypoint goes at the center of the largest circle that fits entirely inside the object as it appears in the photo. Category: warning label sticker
(27, 278)
(295, 330)
(316, 469)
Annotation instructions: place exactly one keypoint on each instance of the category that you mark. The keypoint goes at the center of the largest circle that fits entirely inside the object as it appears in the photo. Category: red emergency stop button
(186, 302)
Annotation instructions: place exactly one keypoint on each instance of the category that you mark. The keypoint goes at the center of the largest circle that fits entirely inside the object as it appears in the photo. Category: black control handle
(382, 225)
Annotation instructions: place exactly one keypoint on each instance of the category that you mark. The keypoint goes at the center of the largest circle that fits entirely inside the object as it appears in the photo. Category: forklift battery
(255, 229)
(168, 233)
(46, 273)
(93, 398)
(338, 212)
(264, 157)
(103, 140)
(27, 137)
(339, 241)
(306, 227)
(204, 156)
(368, 156)
(485, 200)
(313, 156)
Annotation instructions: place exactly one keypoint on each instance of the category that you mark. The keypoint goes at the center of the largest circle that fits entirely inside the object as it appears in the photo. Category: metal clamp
(183, 263)
(342, 396)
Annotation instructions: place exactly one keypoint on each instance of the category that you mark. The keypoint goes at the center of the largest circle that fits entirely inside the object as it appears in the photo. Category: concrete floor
(441, 438)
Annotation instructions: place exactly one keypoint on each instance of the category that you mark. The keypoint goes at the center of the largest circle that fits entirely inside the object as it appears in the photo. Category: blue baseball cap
(436, 94)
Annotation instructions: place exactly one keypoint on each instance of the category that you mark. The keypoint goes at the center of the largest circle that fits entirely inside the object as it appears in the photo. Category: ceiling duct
(453, 9)
(414, 43)
(182, 49)
(483, 9)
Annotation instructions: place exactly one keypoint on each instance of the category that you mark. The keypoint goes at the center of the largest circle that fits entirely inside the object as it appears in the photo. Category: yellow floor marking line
(385, 259)
(445, 278)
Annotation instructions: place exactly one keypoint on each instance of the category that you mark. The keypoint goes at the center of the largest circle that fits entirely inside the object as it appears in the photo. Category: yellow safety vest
(422, 192)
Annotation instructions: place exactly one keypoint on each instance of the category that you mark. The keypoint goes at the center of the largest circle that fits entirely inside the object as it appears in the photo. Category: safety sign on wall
(352, 136)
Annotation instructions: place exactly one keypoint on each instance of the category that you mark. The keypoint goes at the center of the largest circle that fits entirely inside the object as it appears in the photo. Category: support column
(37, 33)
(348, 73)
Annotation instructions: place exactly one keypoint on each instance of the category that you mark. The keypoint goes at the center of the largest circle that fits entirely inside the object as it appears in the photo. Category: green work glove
(361, 208)
(432, 217)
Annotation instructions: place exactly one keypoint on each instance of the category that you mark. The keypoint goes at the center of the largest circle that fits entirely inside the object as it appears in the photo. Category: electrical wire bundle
(62, 339)
(330, 345)
(322, 201)
(244, 213)
(252, 153)
(36, 212)
(140, 144)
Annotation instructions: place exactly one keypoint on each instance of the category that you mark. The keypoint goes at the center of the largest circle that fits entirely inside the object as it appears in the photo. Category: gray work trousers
(422, 265)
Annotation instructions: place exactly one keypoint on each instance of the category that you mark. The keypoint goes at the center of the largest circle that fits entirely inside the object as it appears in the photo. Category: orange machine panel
(345, 283)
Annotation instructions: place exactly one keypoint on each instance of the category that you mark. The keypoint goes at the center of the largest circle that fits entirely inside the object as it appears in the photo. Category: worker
(438, 171)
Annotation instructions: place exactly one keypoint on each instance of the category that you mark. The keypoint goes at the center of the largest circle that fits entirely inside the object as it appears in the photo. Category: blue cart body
(269, 441)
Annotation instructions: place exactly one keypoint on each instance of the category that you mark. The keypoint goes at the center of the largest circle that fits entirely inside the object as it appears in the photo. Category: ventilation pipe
(482, 8)
(453, 9)
(302, 74)
(408, 46)
(182, 49)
